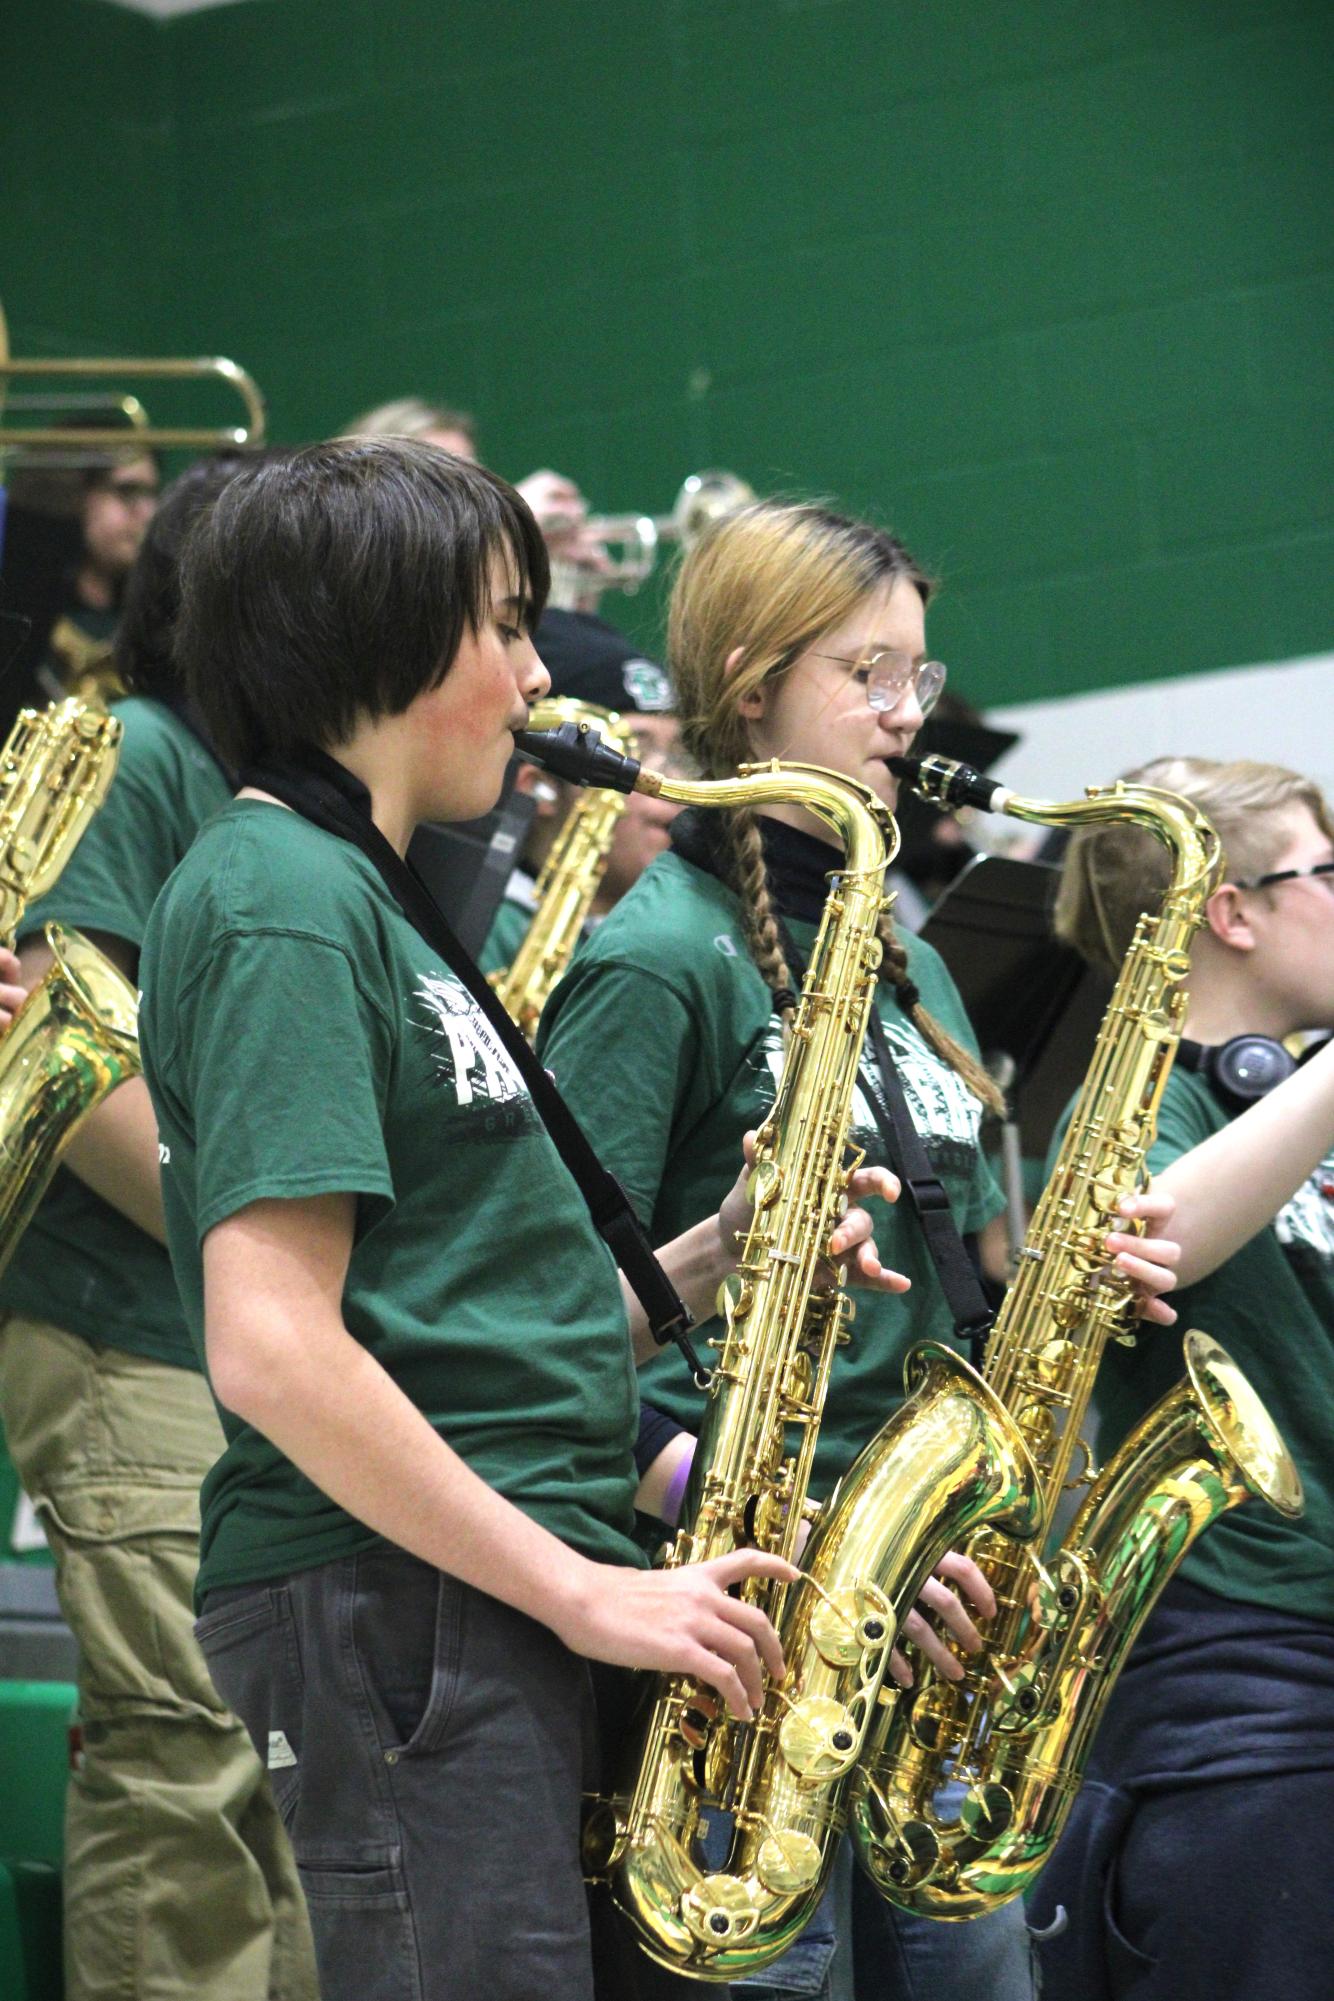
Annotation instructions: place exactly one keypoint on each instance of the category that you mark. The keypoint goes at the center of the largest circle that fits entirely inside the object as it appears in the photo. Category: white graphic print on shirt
(944, 1111)
(467, 1056)
(1308, 1219)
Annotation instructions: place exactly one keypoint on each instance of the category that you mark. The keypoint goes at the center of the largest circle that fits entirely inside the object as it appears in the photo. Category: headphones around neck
(1239, 1072)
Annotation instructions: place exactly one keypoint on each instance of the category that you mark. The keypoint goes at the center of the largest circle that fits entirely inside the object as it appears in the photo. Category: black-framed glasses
(128, 491)
(1321, 871)
(888, 676)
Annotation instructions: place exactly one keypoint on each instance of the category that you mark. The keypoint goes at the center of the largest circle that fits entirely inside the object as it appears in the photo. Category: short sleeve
(625, 1052)
(281, 1061)
(1183, 1124)
(112, 879)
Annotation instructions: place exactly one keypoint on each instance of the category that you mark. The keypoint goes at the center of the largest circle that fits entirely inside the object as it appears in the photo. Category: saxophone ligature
(718, 1840)
(74, 1038)
(1015, 1733)
(571, 874)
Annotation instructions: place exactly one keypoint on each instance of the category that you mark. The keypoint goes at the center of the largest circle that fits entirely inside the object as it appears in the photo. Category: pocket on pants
(250, 1645)
(407, 1634)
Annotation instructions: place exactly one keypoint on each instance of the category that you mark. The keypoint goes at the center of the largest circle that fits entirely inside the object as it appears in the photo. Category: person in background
(1198, 1858)
(799, 634)
(557, 504)
(71, 537)
(178, 1878)
(590, 661)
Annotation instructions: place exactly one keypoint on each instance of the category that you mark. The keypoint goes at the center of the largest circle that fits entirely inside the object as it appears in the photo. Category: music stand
(1028, 996)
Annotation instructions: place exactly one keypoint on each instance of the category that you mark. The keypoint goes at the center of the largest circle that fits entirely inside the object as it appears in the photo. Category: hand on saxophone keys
(1148, 1262)
(938, 1601)
(13, 993)
(681, 1621)
(852, 1243)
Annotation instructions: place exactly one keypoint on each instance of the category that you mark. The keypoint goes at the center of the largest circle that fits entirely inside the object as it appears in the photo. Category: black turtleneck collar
(798, 864)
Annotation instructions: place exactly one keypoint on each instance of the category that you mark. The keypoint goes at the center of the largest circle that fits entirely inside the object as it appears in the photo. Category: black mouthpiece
(946, 783)
(577, 753)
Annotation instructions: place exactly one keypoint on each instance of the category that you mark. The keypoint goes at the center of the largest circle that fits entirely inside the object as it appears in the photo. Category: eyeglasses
(887, 677)
(129, 491)
(1322, 871)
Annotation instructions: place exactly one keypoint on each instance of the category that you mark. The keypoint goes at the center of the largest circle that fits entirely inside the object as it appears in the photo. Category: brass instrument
(48, 445)
(772, 1792)
(1016, 1731)
(571, 874)
(74, 1039)
(705, 497)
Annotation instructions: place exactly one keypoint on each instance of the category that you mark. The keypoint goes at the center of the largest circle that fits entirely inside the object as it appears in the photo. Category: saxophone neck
(1175, 822)
(864, 825)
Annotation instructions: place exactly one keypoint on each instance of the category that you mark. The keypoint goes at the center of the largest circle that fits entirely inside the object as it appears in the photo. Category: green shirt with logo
(1271, 1306)
(301, 1038)
(663, 1040)
(81, 1263)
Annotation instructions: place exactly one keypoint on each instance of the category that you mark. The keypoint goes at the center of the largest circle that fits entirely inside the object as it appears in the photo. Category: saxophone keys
(788, 1862)
(844, 1626)
(819, 1737)
(719, 1911)
(603, 1838)
(903, 1853)
(987, 1810)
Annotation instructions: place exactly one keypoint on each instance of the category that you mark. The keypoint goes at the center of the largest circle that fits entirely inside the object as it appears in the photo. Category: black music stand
(1027, 995)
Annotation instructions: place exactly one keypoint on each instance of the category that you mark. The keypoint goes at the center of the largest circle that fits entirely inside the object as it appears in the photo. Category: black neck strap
(327, 794)
(923, 1187)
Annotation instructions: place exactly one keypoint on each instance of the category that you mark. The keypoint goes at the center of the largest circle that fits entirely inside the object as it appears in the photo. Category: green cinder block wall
(1045, 285)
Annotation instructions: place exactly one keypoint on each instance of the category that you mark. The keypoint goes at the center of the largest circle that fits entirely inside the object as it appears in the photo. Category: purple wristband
(676, 1490)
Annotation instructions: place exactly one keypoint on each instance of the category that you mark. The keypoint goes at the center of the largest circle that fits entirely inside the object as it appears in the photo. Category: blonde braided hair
(764, 584)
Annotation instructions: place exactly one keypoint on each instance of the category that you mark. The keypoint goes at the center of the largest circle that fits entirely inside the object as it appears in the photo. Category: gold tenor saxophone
(1016, 1732)
(570, 875)
(74, 1039)
(768, 1797)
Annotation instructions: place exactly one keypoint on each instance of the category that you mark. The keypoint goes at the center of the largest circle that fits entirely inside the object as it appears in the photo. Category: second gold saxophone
(719, 1838)
(1015, 1733)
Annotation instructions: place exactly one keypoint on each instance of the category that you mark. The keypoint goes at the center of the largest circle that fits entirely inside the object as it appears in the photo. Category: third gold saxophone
(719, 1839)
(1015, 1732)
(570, 875)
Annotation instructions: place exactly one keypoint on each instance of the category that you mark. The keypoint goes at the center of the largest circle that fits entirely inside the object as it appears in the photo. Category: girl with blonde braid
(800, 634)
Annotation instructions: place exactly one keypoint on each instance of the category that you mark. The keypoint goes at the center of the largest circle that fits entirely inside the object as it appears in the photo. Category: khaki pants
(179, 1879)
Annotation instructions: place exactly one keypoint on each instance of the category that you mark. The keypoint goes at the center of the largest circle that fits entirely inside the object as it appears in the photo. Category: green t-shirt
(81, 1263)
(1272, 1307)
(663, 1040)
(300, 1038)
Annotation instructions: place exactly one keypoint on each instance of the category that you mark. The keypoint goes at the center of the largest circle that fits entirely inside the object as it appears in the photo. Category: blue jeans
(857, 1947)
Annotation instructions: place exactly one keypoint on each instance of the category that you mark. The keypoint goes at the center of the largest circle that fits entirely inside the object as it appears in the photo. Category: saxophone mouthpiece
(577, 753)
(946, 783)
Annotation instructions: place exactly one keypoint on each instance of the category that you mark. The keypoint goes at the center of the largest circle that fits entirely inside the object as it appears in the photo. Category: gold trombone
(136, 432)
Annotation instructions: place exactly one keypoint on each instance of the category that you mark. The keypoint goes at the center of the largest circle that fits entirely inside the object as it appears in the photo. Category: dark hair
(143, 654)
(102, 472)
(338, 580)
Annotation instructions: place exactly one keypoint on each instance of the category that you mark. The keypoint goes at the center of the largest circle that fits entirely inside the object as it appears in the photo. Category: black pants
(428, 1749)
(1199, 1858)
